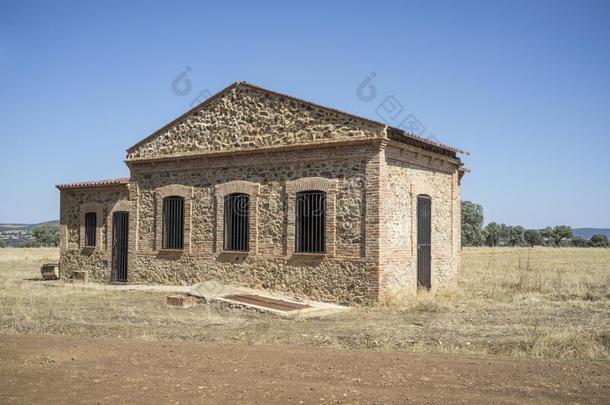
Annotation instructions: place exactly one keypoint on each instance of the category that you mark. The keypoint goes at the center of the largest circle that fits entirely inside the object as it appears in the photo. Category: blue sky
(523, 85)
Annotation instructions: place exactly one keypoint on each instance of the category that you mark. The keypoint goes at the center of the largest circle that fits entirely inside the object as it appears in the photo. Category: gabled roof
(396, 133)
(95, 183)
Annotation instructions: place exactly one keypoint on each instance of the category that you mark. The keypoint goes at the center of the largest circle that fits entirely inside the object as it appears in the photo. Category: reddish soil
(57, 369)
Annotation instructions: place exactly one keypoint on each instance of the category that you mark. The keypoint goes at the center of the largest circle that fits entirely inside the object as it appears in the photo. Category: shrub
(47, 234)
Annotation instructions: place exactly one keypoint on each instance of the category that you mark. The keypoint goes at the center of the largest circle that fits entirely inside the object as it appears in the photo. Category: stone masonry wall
(73, 256)
(341, 278)
(247, 118)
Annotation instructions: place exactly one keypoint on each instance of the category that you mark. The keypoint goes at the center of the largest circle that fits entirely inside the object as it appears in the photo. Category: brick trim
(63, 226)
(230, 187)
(329, 186)
(98, 208)
(375, 197)
(420, 188)
(258, 157)
(134, 218)
(170, 190)
(122, 205)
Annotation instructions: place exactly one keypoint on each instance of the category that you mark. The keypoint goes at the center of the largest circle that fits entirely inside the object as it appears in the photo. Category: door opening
(424, 241)
(120, 240)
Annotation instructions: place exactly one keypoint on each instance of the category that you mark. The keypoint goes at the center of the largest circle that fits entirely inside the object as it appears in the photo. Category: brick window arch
(237, 216)
(327, 227)
(122, 205)
(173, 218)
(91, 225)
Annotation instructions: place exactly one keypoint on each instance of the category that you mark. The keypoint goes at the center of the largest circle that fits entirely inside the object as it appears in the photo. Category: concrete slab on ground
(263, 300)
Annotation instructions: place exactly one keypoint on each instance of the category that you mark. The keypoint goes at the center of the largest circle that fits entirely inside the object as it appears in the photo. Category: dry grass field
(541, 303)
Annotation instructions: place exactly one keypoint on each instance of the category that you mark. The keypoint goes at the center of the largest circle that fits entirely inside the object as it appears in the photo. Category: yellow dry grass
(543, 302)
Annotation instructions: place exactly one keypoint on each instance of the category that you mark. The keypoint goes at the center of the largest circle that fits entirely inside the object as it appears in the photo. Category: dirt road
(55, 369)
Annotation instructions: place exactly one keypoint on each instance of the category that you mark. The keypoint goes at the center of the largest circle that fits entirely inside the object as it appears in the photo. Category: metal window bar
(120, 231)
(90, 228)
(173, 223)
(310, 222)
(237, 222)
(424, 241)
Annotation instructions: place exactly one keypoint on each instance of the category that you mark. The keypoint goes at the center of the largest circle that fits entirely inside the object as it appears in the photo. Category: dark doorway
(424, 236)
(120, 239)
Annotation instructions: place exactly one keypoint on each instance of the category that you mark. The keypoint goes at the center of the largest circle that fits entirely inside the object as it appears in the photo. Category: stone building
(258, 188)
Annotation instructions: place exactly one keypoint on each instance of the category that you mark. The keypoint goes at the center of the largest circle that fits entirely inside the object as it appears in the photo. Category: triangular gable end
(247, 117)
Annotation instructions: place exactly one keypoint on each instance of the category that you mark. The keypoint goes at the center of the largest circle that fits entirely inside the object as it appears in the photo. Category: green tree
(533, 237)
(30, 243)
(579, 242)
(560, 233)
(472, 224)
(2, 243)
(492, 234)
(599, 241)
(547, 234)
(516, 235)
(504, 234)
(47, 234)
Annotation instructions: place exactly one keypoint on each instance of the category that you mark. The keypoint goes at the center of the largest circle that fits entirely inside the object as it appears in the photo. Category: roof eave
(94, 183)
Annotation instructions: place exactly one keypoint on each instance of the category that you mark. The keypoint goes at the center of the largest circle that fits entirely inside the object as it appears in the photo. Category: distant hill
(588, 232)
(15, 234)
(27, 226)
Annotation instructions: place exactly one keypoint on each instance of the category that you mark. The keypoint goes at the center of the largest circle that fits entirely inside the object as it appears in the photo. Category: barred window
(310, 222)
(237, 222)
(173, 223)
(90, 229)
